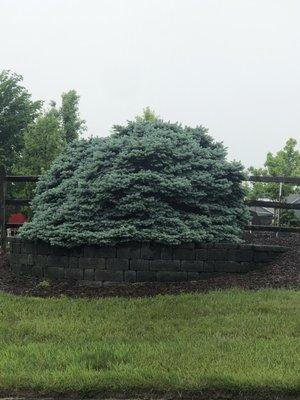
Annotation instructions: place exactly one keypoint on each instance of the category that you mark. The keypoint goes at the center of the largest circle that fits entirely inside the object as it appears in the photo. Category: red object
(17, 218)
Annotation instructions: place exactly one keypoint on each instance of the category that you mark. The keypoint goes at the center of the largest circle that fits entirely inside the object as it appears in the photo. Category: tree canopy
(147, 181)
(148, 115)
(286, 162)
(43, 142)
(17, 111)
(72, 124)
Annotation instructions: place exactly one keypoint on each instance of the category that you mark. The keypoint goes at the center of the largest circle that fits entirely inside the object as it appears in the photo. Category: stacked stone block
(137, 262)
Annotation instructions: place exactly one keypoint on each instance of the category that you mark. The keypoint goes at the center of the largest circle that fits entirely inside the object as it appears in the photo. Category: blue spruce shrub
(147, 181)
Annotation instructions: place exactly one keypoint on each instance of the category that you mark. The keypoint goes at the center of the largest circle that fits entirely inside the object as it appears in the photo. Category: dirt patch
(283, 273)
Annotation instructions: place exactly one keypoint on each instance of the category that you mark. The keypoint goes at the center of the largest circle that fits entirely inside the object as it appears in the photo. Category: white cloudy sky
(230, 65)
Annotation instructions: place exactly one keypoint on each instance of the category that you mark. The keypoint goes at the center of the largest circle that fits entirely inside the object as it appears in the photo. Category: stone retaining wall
(136, 262)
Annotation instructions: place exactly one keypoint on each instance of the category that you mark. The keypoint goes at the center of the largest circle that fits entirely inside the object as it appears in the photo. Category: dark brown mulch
(283, 273)
(205, 394)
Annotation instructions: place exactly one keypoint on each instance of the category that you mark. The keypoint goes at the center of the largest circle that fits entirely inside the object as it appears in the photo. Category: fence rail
(272, 204)
(4, 201)
(17, 202)
(276, 179)
(22, 178)
(271, 228)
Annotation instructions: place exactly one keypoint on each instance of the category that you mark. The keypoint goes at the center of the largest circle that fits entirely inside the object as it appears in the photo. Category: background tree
(17, 111)
(72, 124)
(43, 142)
(148, 115)
(285, 162)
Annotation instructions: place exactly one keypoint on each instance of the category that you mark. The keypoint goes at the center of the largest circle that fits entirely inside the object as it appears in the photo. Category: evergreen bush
(147, 181)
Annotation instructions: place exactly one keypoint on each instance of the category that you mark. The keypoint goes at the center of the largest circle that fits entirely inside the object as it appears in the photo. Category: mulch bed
(283, 273)
(205, 394)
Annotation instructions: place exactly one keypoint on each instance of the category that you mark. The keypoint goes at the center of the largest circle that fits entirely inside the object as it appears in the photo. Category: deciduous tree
(17, 111)
(43, 142)
(285, 162)
(72, 124)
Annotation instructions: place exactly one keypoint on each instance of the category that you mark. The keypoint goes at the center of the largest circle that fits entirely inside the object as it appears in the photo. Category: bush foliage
(147, 181)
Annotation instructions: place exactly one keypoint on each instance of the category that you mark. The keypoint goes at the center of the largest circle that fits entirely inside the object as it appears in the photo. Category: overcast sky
(230, 65)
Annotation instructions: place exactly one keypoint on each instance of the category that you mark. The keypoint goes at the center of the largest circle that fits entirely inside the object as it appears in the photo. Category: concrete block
(244, 246)
(55, 272)
(150, 251)
(201, 254)
(43, 248)
(146, 276)
(192, 265)
(247, 266)
(30, 259)
(89, 274)
(57, 261)
(89, 262)
(226, 246)
(139, 265)
(193, 276)
(28, 247)
(261, 256)
(279, 249)
(23, 259)
(113, 276)
(130, 276)
(37, 271)
(207, 275)
(16, 248)
(217, 254)
(92, 284)
(260, 247)
(100, 251)
(76, 252)
(74, 273)
(15, 266)
(204, 245)
(73, 262)
(166, 252)
(227, 266)
(240, 255)
(171, 276)
(25, 270)
(117, 264)
(166, 265)
(14, 261)
(40, 261)
(181, 253)
(59, 251)
(129, 250)
(209, 266)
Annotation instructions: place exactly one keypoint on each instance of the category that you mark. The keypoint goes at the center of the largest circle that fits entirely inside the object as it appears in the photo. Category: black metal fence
(6, 201)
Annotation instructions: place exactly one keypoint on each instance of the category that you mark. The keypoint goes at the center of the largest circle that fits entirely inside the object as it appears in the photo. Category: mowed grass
(228, 340)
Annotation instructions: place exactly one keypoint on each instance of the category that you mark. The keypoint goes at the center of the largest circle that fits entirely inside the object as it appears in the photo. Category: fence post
(2, 206)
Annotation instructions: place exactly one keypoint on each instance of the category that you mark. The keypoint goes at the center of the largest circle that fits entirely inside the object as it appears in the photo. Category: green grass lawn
(232, 340)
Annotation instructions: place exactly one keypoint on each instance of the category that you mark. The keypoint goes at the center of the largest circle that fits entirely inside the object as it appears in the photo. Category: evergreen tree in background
(17, 111)
(147, 181)
(72, 125)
